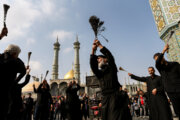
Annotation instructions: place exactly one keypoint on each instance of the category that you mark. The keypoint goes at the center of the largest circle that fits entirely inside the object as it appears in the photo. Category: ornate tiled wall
(167, 14)
(171, 10)
(174, 44)
(158, 15)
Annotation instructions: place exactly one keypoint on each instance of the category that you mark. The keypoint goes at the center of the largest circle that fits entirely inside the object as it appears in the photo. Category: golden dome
(29, 87)
(69, 75)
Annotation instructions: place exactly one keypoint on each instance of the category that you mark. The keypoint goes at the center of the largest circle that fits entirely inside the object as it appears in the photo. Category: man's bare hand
(154, 91)
(120, 88)
(44, 82)
(166, 47)
(94, 47)
(28, 71)
(97, 42)
(129, 74)
(4, 32)
(169, 100)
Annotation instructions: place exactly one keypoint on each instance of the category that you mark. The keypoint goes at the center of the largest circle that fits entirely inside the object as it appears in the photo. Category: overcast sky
(35, 24)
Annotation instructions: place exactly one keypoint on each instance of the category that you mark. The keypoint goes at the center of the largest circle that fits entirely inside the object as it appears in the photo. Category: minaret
(76, 60)
(55, 60)
(167, 17)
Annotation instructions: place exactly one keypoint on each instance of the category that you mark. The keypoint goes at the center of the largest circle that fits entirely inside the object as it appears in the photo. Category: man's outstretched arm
(141, 79)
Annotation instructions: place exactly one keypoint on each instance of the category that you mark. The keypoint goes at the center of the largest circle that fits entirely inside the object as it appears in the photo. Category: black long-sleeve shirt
(9, 67)
(17, 91)
(43, 95)
(152, 83)
(71, 93)
(108, 74)
(170, 73)
(158, 104)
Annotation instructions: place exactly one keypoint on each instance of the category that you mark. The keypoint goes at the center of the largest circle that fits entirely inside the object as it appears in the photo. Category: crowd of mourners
(139, 105)
(57, 108)
(114, 104)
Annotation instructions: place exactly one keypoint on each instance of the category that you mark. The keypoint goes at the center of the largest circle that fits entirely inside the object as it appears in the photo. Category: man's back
(170, 76)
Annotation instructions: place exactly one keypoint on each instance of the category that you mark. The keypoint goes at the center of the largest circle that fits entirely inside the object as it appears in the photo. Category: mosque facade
(167, 17)
(58, 86)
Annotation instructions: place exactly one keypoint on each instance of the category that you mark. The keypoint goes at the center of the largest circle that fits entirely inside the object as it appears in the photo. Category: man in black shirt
(113, 104)
(29, 107)
(16, 107)
(73, 101)
(10, 66)
(170, 72)
(157, 100)
(44, 100)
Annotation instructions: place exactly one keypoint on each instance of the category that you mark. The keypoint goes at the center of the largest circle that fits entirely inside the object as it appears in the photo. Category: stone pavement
(139, 118)
(134, 118)
(146, 118)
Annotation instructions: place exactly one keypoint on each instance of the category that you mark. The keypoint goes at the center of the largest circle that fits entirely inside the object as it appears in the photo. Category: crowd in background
(58, 109)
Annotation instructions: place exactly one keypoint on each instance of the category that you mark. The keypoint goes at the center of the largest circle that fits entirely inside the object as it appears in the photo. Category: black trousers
(41, 112)
(175, 99)
(74, 112)
(115, 106)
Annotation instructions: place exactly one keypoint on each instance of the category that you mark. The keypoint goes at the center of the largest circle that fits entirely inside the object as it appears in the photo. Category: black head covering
(102, 56)
(156, 54)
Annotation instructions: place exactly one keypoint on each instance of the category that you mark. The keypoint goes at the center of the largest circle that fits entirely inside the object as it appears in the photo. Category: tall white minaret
(76, 60)
(55, 60)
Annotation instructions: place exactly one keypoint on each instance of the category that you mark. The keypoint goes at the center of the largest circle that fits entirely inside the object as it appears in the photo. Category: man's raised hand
(4, 32)
(166, 47)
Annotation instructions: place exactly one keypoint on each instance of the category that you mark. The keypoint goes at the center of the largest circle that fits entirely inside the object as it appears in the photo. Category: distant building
(132, 88)
(92, 86)
(58, 86)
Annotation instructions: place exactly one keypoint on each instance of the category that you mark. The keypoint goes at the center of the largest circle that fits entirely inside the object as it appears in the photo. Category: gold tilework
(158, 15)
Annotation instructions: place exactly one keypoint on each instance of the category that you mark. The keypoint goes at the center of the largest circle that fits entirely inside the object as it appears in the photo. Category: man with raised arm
(170, 72)
(73, 102)
(114, 100)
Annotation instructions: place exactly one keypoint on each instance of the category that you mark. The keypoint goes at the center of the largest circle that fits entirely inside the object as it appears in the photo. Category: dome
(69, 75)
(56, 43)
(29, 87)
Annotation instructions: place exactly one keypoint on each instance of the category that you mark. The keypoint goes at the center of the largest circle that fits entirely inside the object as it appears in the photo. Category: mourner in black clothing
(63, 109)
(10, 65)
(73, 101)
(29, 107)
(158, 103)
(43, 102)
(16, 107)
(85, 107)
(105, 70)
(170, 72)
